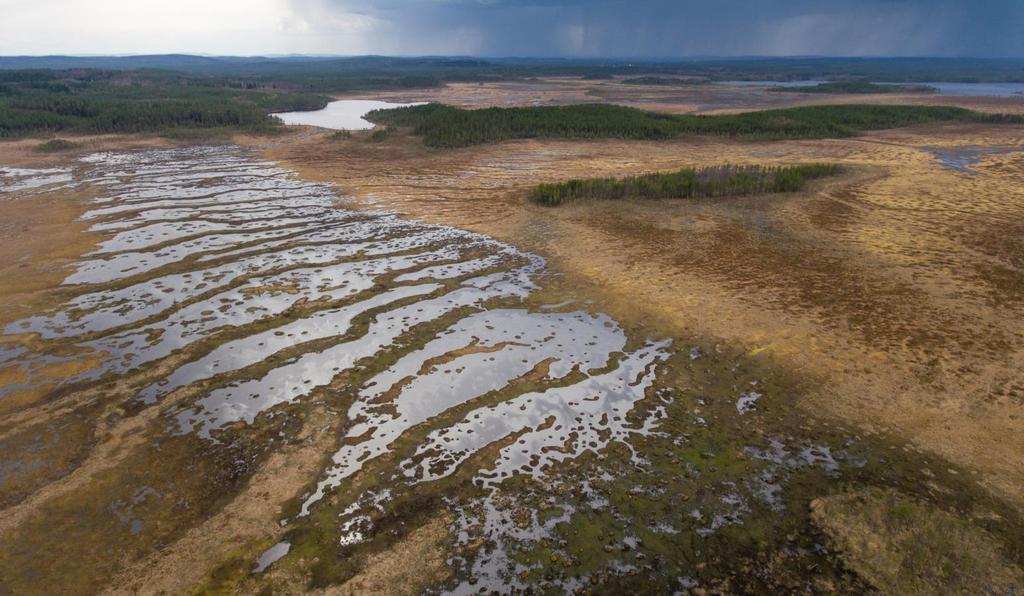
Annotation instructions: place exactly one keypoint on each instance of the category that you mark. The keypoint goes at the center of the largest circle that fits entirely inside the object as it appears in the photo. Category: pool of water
(344, 114)
(20, 179)
(963, 159)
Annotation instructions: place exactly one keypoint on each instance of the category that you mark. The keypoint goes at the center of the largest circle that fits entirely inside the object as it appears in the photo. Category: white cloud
(513, 27)
(157, 26)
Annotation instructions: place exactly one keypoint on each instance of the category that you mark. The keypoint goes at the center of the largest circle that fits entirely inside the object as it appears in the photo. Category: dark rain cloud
(672, 28)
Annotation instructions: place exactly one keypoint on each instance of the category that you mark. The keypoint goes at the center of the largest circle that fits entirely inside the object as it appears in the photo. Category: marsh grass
(665, 81)
(381, 134)
(689, 183)
(904, 546)
(220, 133)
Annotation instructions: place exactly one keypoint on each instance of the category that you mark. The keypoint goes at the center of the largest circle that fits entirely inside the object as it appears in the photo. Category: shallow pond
(963, 159)
(345, 114)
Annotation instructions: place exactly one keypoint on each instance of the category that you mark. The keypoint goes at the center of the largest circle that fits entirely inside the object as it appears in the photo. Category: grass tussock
(902, 546)
(689, 183)
(381, 134)
(56, 146)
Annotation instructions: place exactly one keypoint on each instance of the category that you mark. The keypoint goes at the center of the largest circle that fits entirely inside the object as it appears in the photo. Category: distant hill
(217, 64)
(165, 61)
(463, 68)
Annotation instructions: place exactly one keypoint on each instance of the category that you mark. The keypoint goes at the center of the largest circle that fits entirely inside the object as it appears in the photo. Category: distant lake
(808, 83)
(345, 114)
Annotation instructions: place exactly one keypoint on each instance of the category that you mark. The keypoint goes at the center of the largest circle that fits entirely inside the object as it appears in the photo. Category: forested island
(446, 126)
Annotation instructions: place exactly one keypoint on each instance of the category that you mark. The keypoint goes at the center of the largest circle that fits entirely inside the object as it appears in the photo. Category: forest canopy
(47, 101)
(446, 126)
(43, 95)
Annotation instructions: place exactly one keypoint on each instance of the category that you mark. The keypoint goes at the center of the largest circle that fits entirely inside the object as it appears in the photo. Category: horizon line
(515, 57)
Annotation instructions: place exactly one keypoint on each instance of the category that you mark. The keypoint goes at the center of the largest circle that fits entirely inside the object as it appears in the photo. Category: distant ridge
(189, 62)
(892, 69)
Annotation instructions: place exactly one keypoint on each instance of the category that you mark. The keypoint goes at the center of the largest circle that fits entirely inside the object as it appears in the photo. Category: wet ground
(244, 387)
(964, 159)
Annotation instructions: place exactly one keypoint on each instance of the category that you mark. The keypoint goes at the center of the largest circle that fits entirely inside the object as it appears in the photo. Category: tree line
(42, 102)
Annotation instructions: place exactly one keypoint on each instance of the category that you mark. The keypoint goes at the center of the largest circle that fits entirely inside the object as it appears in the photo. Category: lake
(345, 114)
(807, 83)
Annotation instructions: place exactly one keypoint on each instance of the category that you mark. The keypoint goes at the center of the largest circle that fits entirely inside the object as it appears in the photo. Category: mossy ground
(902, 545)
(703, 500)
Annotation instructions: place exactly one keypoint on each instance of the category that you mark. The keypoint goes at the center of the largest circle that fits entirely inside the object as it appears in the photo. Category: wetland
(298, 362)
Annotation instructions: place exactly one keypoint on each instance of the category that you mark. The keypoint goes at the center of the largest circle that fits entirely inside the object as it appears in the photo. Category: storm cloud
(672, 28)
(578, 28)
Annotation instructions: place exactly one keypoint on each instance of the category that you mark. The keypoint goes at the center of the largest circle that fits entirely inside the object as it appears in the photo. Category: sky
(542, 28)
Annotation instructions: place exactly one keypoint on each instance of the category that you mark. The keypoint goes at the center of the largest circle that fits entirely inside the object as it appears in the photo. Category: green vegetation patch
(56, 145)
(904, 546)
(688, 183)
(381, 134)
(857, 87)
(446, 126)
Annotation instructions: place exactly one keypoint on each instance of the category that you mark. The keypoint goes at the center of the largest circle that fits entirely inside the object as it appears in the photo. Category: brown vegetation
(887, 284)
